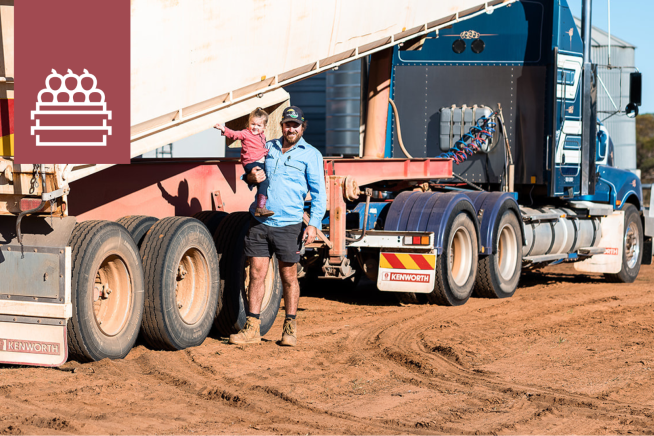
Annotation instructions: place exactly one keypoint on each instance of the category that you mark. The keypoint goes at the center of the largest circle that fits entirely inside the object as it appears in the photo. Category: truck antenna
(609, 2)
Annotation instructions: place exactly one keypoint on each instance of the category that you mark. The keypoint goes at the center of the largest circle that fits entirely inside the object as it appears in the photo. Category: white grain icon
(71, 111)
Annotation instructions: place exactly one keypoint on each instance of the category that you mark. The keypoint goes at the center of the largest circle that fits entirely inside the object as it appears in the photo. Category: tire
(351, 283)
(230, 243)
(137, 226)
(498, 273)
(632, 248)
(411, 298)
(182, 283)
(211, 219)
(368, 260)
(456, 268)
(104, 324)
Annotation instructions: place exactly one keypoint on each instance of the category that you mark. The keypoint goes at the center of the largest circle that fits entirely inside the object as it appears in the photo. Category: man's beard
(295, 138)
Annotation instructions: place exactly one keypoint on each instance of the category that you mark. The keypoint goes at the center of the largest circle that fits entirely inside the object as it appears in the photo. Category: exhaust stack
(588, 106)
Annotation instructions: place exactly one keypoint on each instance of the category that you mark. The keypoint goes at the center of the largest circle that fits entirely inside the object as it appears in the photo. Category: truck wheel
(211, 219)
(498, 274)
(456, 268)
(137, 226)
(182, 283)
(230, 242)
(106, 291)
(411, 298)
(632, 249)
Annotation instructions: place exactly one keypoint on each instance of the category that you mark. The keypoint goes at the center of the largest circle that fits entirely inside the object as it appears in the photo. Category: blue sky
(629, 21)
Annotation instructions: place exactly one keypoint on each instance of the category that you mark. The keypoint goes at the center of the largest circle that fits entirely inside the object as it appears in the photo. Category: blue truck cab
(511, 96)
(528, 58)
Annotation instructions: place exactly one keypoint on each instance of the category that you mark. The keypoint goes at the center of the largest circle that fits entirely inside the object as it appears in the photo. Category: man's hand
(309, 234)
(257, 175)
(220, 127)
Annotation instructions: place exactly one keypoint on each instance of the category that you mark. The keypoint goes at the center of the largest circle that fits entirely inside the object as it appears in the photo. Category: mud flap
(33, 343)
(35, 290)
(647, 251)
(407, 272)
(613, 243)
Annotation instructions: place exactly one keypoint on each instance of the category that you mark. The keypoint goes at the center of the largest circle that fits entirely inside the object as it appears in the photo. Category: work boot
(261, 207)
(289, 336)
(249, 334)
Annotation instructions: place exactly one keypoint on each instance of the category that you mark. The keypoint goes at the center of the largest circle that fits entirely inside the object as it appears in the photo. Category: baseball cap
(293, 113)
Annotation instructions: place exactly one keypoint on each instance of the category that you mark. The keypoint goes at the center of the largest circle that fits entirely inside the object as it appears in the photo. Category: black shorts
(262, 241)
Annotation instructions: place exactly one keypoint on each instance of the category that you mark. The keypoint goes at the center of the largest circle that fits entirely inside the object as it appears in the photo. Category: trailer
(482, 156)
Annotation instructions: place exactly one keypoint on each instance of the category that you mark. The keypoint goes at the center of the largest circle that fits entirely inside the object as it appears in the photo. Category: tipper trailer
(487, 160)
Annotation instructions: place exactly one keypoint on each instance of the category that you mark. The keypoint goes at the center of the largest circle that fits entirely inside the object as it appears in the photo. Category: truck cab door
(566, 180)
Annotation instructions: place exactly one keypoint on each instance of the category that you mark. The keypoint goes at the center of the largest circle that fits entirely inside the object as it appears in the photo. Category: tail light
(29, 203)
(416, 240)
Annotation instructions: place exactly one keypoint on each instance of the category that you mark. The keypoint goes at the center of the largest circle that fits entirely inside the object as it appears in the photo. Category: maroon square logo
(73, 61)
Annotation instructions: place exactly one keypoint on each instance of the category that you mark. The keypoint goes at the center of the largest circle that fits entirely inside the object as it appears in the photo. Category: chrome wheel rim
(192, 286)
(507, 252)
(631, 245)
(112, 295)
(460, 259)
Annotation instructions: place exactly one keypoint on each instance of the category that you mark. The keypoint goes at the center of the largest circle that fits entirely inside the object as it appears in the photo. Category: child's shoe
(261, 207)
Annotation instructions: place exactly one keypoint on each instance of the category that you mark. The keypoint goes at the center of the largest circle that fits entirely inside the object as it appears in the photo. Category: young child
(253, 152)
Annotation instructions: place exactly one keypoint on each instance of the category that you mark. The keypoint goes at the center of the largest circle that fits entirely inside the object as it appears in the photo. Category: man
(294, 168)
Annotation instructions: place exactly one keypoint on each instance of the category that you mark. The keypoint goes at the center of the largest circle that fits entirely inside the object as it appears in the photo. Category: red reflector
(416, 240)
(29, 203)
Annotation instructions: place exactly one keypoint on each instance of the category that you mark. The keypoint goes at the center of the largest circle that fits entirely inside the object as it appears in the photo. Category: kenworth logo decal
(31, 347)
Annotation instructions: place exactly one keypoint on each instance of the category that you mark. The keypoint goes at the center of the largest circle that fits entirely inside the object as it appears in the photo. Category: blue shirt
(292, 175)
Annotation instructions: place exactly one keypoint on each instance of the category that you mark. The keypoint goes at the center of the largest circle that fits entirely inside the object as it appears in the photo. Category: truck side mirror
(631, 110)
(635, 94)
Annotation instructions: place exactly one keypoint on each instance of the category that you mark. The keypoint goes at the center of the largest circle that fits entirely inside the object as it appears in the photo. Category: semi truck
(482, 156)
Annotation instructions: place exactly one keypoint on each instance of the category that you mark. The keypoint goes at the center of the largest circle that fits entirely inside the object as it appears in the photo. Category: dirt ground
(568, 354)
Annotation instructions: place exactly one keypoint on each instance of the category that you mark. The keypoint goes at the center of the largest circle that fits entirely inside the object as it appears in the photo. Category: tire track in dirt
(242, 394)
(403, 344)
(297, 407)
(562, 356)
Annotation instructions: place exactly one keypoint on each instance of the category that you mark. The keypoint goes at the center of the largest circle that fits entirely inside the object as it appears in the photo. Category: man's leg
(288, 272)
(251, 332)
(287, 244)
(257, 250)
(256, 290)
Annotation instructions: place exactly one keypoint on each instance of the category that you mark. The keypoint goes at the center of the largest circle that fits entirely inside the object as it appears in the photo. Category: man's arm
(316, 179)
(257, 175)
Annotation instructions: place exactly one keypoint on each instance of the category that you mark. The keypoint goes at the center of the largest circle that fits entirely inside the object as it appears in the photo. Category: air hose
(399, 130)
(469, 144)
(473, 141)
